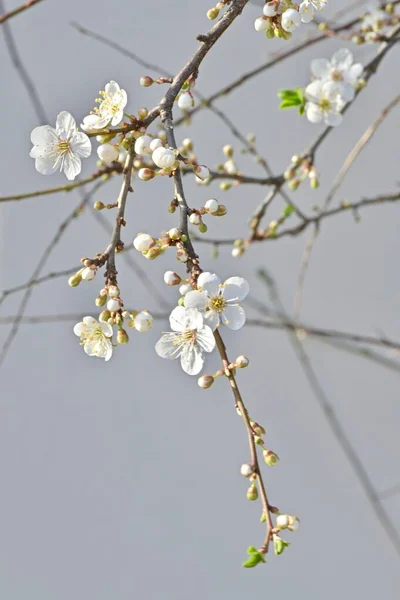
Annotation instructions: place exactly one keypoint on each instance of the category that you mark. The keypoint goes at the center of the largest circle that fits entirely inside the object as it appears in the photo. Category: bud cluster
(299, 170)
(281, 17)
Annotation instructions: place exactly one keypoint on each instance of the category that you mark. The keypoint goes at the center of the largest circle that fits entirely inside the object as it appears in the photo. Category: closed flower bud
(187, 145)
(175, 233)
(185, 288)
(230, 167)
(203, 228)
(113, 305)
(88, 273)
(222, 210)
(104, 316)
(282, 521)
(242, 361)
(143, 321)
(113, 291)
(212, 206)
(258, 429)
(195, 218)
(143, 242)
(156, 143)
(224, 186)
(108, 152)
(270, 9)
(205, 381)
(172, 278)
(228, 151)
(294, 523)
(146, 174)
(100, 301)
(293, 184)
(185, 101)
(142, 145)
(142, 113)
(182, 255)
(237, 251)
(246, 470)
(98, 205)
(122, 337)
(202, 172)
(146, 81)
(270, 458)
(212, 13)
(252, 493)
(261, 24)
(164, 158)
(75, 280)
(152, 253)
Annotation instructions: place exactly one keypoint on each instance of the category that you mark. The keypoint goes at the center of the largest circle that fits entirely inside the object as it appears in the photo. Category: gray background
(120, 479)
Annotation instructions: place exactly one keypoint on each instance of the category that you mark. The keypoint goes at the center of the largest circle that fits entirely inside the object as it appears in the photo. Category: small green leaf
(290, 103)
(288, 210)
(251, 550)
(280, 545)
(283, 94)
(251, 562)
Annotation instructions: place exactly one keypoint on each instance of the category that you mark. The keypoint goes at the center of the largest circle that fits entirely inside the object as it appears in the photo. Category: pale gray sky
(120, 479)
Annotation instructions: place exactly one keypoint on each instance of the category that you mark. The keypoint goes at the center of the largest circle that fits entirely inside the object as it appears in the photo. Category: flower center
(325, 104)
(186, 337)
(336, 75)
(63, 147)
(92, 335)
(218, 303)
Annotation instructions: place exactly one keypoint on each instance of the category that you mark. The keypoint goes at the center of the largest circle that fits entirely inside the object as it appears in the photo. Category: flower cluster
(376, 22)
(281, 17)
(199, 313)
(335, 84)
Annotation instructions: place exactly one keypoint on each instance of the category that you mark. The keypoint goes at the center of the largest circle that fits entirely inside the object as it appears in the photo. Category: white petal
(236, 287)
(166, 348)
(320, 67)
(353, 73)
(211, 318)
(79, 329)
(80, 144)
(71, 166)
(92, 122)
(234, 317)
(90, 322)
(209, 283)
(65, 125)
(192, 360)
(46, 165)
(196, 299)
(106, 329)
(342, 59)
(123, 99)
(109, 350)
(44, 136)
(112, 88)
(313, 112)
(206, 339)
(314, 90)
(346, 91)
(333, 119)
(117, 118)
(183, 318)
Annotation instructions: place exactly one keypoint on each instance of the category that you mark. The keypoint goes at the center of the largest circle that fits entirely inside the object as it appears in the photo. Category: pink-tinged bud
(146, 81)
(242, 361)
(113, 305)
(88, 273)
(175, 233)
(143, 242)
(172, 278)
(270, 458)
(258, 429)
(113, 291)
(146, 174)
(122, 337)
(205, 381)
(252, 493)
(246, 470)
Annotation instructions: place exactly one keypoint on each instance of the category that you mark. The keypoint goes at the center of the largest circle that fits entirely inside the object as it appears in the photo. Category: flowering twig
(16, 11)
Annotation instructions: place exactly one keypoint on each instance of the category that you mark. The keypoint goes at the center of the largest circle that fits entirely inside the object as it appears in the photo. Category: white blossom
(61, 148)
(112, 102)
(95, 337)
(143, 321)
(306, 12)
(261, 24)
(185, 101)
(212, 206)
(341, 71)
(172, 278)
(323, 103)
(163, 158)
(155, 143)
(142, 145)
(189, 339)
(219, 301)
(108, 152)
(290, 20)
(88, 273)
(143, 242)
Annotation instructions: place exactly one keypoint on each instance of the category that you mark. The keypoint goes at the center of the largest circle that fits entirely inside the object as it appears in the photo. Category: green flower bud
(270, 458)
(122, 337)
(252, 493)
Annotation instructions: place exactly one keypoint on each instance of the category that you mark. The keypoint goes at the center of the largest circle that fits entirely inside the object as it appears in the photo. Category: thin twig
(16, 11)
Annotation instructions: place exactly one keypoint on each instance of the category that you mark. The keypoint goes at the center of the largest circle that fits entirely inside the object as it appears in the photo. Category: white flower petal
(117, 118)
(46, 165)
(71, 166)
(320, 68)
(106, 329)
(313, 112)
(342, 59)
(236, 287)
(112, 88)
(333, 119)
(314, 90)
(90, 322)
(183, 318)
(80, 144)
(206, 339)
(352, 74)
(196, 299)
(209, 283)
(346, 91)
(65, 125)
(109, 350)
(192, 360)
(211, 318)
(166, 347)
(44, 136)
(234, 317)
(79, 329)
